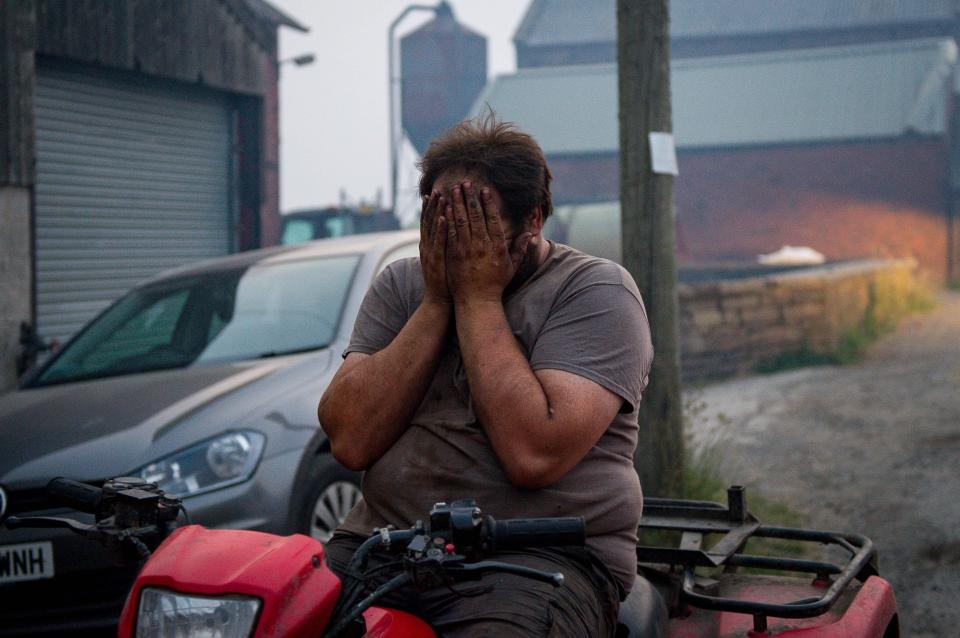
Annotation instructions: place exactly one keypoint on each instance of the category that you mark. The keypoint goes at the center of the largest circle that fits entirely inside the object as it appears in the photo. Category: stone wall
(733, 327)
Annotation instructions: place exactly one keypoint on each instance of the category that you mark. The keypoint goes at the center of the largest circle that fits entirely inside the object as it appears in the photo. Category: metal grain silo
(443, 67)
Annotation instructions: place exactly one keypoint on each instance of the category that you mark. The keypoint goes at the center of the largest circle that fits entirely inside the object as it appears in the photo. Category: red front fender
(287, 573)
(390, 623)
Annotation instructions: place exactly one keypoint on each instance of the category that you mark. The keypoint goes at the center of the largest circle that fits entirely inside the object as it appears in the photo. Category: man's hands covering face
(433, 246)
(479, 260)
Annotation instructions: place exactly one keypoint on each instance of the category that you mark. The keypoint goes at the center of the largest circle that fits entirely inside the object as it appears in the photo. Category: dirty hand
(480, 263)
(433, 247)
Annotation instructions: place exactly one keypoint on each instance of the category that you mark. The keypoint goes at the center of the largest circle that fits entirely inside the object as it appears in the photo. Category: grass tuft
(878, 322)
(794, 359)
(880, 318)
(704, 480)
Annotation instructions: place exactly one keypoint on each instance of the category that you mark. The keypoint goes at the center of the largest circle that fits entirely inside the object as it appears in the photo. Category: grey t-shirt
(577, 313)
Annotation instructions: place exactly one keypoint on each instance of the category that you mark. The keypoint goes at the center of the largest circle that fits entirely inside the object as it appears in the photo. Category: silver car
(205, 380)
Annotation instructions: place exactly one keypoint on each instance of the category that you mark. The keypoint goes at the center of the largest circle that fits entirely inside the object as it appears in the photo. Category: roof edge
(946, 45)
(529, 19)
(270, 13)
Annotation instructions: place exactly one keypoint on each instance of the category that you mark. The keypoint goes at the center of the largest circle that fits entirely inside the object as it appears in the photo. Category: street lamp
(299, 60)
(392, 80)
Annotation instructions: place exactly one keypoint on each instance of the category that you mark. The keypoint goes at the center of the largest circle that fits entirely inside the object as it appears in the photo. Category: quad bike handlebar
(79, 496)
(516, 533)
(131, 515)
(451, 548)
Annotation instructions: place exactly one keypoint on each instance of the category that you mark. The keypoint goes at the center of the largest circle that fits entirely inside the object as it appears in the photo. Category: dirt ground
(871, 447)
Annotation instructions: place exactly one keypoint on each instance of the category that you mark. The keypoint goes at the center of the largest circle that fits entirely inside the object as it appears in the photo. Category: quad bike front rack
(697, 519)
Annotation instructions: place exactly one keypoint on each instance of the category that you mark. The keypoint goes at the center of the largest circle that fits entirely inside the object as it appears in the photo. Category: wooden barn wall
(17, 40)
(204, 41)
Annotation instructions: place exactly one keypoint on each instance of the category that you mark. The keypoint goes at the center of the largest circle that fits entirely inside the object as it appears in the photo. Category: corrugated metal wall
(132, 178)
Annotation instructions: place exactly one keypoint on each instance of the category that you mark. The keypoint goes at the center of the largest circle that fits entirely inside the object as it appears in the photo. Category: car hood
(95, 429)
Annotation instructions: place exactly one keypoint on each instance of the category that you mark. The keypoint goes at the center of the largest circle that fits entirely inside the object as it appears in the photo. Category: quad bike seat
(643, 614)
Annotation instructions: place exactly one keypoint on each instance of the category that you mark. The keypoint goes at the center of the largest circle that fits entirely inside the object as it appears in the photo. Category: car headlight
(173, 615)
(225, 460)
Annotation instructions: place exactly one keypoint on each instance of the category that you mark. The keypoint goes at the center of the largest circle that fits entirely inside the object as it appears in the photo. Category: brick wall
(585, 178)
(882, 199)
(849, 201)
(731, 327)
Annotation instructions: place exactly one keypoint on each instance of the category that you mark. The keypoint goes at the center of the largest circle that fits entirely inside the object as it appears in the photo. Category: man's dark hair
(499, 153)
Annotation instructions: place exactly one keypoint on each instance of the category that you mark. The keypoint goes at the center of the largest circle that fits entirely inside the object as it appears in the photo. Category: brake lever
(49, 522)
(553, 578)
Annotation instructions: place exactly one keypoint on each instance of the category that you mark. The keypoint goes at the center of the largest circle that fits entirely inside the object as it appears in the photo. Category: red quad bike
(233, 584)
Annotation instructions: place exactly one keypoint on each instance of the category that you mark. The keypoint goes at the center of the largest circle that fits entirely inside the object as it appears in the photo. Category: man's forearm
(500, 376)
(367, 407)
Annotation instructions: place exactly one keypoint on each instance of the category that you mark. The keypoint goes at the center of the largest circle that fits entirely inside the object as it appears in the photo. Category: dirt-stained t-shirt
(577, 313)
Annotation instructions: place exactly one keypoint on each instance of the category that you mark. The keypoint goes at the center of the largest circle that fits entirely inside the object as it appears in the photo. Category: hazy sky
(334, 113)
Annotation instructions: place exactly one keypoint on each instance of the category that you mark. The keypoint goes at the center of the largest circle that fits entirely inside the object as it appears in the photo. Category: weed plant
(705, 479)
(880, 318)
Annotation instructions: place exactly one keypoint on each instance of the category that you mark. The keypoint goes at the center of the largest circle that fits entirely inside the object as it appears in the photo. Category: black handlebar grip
(515, 533)
(79, 496)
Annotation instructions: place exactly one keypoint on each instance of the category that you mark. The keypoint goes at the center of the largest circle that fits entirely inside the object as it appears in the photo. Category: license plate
(26, 561)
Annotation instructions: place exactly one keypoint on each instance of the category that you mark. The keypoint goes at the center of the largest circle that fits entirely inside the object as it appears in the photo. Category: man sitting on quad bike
(503, 367)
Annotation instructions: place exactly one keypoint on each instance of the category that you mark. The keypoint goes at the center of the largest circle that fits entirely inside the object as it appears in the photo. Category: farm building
(141, 136)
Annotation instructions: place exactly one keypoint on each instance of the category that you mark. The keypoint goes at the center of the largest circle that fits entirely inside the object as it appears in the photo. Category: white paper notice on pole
(663, 154)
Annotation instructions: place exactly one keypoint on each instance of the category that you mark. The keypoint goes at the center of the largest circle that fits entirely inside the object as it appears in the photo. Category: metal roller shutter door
(133, 177)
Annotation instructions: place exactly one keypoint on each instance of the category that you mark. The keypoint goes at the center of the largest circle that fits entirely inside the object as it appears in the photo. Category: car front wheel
(330, 493)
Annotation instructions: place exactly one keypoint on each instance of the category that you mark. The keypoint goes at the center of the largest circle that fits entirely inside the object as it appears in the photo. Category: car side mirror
(32, 345)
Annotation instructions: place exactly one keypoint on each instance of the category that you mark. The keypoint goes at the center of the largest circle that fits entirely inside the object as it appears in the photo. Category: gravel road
(871, 447)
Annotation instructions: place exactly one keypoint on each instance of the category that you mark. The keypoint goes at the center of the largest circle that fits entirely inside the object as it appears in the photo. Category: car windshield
(225, 315)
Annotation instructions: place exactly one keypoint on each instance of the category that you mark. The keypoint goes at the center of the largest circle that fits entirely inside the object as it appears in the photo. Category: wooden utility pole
(647, 207)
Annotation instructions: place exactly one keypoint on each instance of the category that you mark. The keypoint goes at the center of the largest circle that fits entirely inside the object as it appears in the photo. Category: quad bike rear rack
(697, 519)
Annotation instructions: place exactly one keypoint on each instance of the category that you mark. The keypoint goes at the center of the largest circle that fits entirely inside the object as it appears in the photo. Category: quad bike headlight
(225, 460)
(173, 615)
